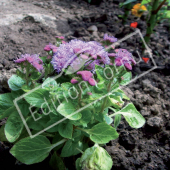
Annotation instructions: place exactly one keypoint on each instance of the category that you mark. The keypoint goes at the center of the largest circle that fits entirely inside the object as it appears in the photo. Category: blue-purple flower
(68, 52)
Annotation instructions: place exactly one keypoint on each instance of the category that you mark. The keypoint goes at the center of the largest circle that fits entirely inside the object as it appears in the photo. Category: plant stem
(127, 10)
(105, 100)
(152, 21)
(80, 150)
(82, 129)
(59, 143)
(160, 6)
(27, 74)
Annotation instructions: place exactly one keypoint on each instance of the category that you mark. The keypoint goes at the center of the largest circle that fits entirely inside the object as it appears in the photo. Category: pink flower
(59, 37)
(47, 48)
(112, 54)
(34, 60)
(51, 47)
(38, 66)
(63, 42)
(74, 81)
(84, 56)
(49, 57)
(86, 75)
(94, 56)
(128, 66)
(20, 60)
(76, 50)
(89, 93)
(92, 82)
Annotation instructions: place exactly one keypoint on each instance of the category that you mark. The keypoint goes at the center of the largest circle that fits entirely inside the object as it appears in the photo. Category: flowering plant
(69, 114)
(158, 10)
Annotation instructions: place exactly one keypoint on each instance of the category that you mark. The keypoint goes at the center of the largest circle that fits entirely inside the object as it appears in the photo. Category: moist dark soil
(147, 148)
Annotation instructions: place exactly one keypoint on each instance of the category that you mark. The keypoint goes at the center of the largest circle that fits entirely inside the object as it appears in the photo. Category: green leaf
(145, 2)
(49, 83)
(117, 120)
(108, 119)
(132, 116)
(2, 134)
(26, 88)
(20, 73)
(13, 127)
(128, 2)
(102, 133)
(71, 148)
(43, 59)
(15, 82)
(31, 150)
(95, 158)
(67, 109)
(126, 78)
(56, 139)
(85, 119)
(123, 94)
(56, 162)
(38, 97)
(39, 123)
(35, 75)
(116, 101)
(65, 130)
(78, 167)
(168, 14)
(6, 105)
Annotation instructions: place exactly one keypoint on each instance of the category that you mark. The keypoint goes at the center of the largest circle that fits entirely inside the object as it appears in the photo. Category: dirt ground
(26, 26)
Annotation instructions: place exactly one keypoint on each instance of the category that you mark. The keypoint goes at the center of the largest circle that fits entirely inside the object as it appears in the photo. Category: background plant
(157, 10)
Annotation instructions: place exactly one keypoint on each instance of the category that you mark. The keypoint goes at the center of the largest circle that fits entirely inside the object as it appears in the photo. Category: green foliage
(56, 162)
(102, 133)
(64, 119)
(15, 82)
(30, 151)
(94, 158)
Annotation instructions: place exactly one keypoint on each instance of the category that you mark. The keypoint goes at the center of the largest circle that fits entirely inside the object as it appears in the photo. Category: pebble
(155, 109)
(155, 122)
(1, 66)
(92, 28)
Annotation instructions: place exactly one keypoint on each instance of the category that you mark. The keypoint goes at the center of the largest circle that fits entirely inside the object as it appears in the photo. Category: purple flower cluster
(111, 39)
(34, 60)
(123, 57)
(68, 52)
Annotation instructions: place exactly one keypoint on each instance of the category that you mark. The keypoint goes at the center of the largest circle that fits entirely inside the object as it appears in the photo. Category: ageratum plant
(60, 103)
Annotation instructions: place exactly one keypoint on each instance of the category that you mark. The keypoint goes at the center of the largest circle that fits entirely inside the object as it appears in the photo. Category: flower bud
(95, 158)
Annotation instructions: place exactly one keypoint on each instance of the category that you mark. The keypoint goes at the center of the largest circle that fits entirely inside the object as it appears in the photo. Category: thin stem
(80, 150)
(151, 22)
(82, 129)
(27, 74)
(105, 100)
(160, 6)
(114, 114)
(59, 143)
(127, 10)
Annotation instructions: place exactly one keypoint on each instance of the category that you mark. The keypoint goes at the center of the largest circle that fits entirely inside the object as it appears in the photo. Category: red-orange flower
(134, 24)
